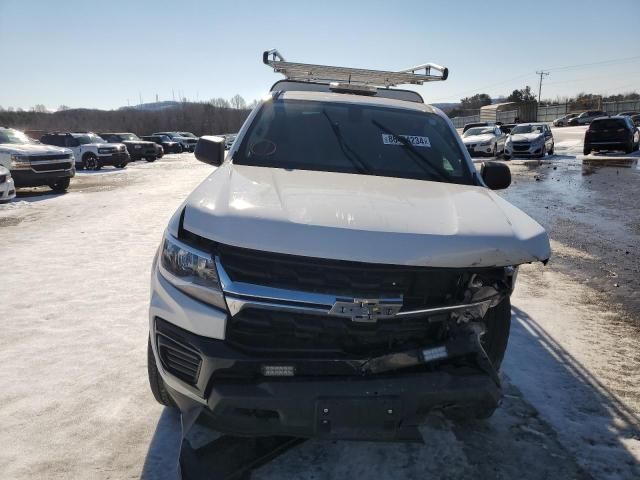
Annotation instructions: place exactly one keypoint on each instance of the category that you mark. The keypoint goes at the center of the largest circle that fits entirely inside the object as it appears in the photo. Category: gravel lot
(74, 400)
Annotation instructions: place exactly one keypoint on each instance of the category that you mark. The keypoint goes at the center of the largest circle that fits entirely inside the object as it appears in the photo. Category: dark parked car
(136, 147)
(168, 145)
(636, 120)
(612, 133)
(586, 117)
(564, 121)
(628, 114)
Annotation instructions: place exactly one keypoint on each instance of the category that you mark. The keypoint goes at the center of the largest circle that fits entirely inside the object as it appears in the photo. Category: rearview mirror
(210, 149)
(496, 175)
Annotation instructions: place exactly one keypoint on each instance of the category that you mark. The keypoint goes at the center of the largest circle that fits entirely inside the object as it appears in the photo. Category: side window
(69, 142)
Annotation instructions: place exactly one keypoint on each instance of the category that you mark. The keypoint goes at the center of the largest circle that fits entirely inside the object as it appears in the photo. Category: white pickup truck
(343, 272)
(32, 164)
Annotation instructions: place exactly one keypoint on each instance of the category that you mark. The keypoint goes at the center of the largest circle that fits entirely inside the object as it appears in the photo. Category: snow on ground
(74, 399)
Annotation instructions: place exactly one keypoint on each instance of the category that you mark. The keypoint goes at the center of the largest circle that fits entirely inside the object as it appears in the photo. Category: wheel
(506, 156)
(150, 159)
(543, 153)
(158, 388)
(629, 147)
(61, 185)
(586, 150)
(180, 149)
(121, 165)
(553, 146)
(494, 152)
(90, 162)
(160, 155)
(498, 324)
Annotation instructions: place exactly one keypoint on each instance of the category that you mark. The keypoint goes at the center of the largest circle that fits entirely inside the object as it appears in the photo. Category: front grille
(177, 358)
(60, 156)
(520, 147)
(47, 167)
(272, 332)
(420, 287)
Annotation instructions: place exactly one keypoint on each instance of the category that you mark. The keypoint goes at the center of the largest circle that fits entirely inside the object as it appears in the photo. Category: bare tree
(62, 108)
(238, 102)
(39, 108)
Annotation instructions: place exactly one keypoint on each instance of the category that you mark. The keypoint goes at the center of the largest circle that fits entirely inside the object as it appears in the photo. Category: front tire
(553, 146)
(150, 159)
(629, 148)
(586, 150)
(90, 162)
(498, 323)
(158, 387)
(61, 185)
(506, 156)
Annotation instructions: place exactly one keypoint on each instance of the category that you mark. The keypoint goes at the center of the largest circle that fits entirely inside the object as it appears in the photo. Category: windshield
(187, 134)
(478, 131)
(527, 129)
(128, 136)
(8, 135)
(88, 138)
(348, 138)
(608, 124)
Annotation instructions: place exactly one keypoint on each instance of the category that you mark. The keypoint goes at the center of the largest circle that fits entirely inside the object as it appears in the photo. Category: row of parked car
(585, 118)
(536, 139)
(53, 160)
(525, 139)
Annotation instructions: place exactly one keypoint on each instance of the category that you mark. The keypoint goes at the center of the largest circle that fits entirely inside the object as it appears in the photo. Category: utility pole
(541, 73)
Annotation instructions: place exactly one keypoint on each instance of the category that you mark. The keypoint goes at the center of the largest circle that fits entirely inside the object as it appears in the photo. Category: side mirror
(210, 149)
(496, 175)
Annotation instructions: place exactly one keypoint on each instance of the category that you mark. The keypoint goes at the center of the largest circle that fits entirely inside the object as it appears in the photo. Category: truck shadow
(161, 462)
(580, 407)
(570, 402)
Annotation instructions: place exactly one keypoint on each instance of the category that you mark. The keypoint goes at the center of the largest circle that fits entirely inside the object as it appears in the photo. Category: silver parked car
(529, 140)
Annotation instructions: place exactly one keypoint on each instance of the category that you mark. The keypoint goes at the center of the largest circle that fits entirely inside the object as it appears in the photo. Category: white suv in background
(7, 188)
(91, 151)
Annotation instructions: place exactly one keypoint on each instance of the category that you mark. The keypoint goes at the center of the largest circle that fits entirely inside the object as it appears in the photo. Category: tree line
(201, 118)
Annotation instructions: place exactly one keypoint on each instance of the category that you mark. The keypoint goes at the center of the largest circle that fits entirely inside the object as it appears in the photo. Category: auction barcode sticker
(414, 140)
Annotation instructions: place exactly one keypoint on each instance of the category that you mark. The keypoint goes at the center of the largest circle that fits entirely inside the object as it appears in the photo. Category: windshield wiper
(348, 152)
(412, 148)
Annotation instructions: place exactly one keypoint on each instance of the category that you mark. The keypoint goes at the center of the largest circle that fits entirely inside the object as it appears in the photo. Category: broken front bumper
(381, 398)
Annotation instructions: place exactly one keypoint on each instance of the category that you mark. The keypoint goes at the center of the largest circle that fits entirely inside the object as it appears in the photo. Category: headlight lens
(484, 144)
(191, 271)
(19, 162)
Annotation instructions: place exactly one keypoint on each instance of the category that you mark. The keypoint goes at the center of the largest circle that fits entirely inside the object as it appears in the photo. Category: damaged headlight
(190, 270)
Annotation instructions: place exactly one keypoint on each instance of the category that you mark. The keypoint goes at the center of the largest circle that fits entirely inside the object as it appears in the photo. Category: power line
(603, 62)
(542, 73)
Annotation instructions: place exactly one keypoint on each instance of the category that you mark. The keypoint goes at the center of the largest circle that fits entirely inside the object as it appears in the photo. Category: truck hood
(32, 149)
(477, 138)
(525, 137)
(362, 218)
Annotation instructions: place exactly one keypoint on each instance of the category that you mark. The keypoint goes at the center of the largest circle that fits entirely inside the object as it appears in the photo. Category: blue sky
(105, 54)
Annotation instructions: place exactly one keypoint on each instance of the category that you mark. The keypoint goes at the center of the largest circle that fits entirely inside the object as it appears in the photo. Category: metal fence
(550, 113)
(623, 106)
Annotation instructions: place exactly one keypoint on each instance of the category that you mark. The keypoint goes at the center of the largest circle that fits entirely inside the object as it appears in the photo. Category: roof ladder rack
(305, 72)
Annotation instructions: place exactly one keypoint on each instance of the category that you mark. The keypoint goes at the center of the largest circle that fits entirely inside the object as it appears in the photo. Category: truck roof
(355, 99)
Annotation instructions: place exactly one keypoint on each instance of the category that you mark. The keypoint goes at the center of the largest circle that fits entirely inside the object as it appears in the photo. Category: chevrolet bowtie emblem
(366, 309)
